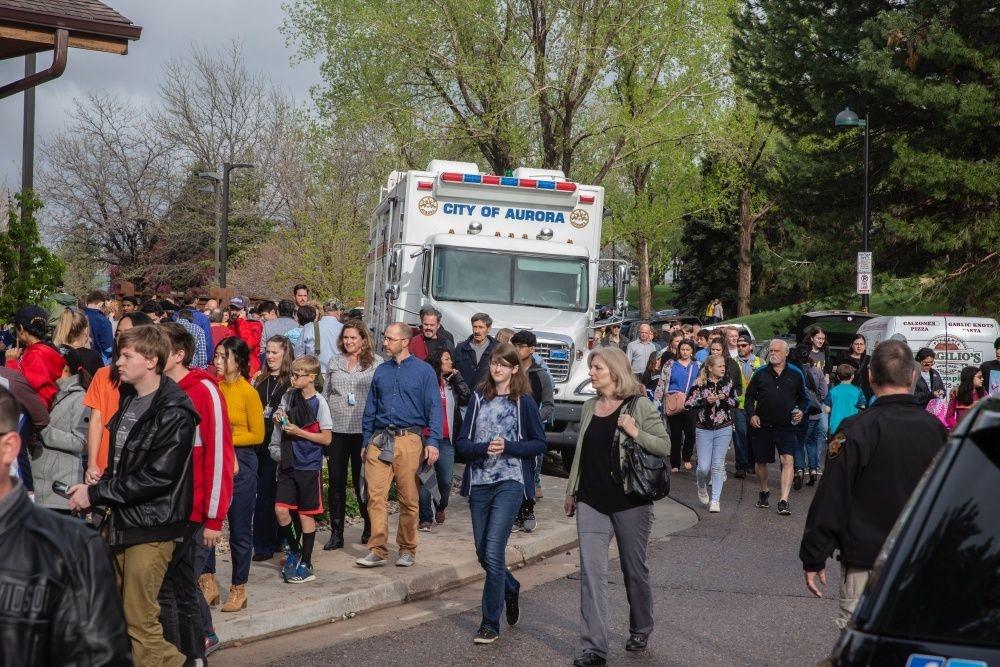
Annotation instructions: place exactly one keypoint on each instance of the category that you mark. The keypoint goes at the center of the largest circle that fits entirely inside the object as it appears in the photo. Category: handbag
(674, 404)
(646, 473)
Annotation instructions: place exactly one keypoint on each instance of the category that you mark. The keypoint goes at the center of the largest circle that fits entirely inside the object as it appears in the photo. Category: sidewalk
(446, 558)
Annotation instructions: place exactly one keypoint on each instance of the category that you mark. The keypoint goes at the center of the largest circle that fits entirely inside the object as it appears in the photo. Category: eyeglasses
(743, 344)
(391, 339)
(499, 364)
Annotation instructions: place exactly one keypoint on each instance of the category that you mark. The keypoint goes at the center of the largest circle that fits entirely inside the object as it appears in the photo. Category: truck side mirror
(392, 291)
(622, 276)
(395, 261)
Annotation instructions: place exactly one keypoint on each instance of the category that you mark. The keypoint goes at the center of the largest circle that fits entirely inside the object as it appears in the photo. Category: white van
(957, 341)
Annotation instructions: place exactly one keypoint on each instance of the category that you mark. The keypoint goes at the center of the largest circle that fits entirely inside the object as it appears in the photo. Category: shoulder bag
(646, 473)
(674, 403)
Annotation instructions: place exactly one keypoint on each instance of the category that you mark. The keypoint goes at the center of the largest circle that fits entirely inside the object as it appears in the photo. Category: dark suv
(934, 598)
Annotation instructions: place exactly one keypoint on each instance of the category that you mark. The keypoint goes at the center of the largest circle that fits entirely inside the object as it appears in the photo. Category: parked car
(657, 324)
(739, 325)
(840, 326)
(934, 596)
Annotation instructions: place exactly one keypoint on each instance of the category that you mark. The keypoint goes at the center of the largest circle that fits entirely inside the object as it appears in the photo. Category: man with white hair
(776, 401)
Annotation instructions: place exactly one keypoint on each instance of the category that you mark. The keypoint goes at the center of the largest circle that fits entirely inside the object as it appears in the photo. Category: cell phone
(61, 488)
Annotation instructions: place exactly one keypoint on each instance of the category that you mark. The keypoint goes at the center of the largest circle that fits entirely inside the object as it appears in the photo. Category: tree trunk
(747, 224)
(645, 290)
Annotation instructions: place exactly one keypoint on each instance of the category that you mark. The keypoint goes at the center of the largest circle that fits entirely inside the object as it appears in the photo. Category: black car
(839, 325)
(934, 596)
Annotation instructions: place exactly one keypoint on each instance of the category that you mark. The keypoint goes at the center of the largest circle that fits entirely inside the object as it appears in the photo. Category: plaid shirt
(340, 383)
(200, 358)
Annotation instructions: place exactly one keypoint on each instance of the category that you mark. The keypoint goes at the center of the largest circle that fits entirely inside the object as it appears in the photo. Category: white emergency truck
(523, 248)
(956, 340)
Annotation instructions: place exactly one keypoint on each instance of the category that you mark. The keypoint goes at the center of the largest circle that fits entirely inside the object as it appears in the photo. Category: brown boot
(237, 599)
(209, 588)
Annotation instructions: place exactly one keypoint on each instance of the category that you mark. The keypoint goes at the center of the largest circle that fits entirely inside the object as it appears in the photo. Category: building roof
(28, 26)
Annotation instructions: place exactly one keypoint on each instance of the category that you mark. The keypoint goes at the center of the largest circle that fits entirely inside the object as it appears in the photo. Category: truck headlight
(586, 389)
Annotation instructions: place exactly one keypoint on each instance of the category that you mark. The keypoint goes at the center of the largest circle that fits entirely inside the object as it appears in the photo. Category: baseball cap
(239, 302)
(745, 338)
(25, 314)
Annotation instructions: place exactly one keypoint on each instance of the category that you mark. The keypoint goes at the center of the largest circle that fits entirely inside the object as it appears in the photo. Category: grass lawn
(775, 322)
(663, 296)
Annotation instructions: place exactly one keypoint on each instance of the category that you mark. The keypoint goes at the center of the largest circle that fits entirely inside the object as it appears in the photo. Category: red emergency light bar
(586, 199)
(425, 185)
(507, 181)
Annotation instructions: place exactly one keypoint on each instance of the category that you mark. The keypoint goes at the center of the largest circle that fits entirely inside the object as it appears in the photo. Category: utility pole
(28, 136)
(222, 221)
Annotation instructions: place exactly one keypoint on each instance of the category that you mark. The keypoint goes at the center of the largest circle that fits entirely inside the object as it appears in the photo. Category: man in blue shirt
(403, 403)
(329, 332)
(102, 338)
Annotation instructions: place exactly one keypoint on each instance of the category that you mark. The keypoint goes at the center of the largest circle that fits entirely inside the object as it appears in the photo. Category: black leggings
(344, 449)
(681, 437)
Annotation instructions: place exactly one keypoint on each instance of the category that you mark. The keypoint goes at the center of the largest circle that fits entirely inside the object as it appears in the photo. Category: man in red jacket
(185, 616)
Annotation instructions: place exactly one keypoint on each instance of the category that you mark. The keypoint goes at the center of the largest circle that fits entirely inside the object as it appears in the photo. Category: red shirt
(41, 365)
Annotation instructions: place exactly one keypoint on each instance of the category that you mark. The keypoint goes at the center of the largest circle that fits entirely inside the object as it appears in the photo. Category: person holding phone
(305, 428)
(501, 437)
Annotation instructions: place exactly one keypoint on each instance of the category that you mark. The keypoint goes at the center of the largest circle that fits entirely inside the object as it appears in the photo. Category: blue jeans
(741, 444)
(712, 446)
(493, 508)
(241, 517)
(444, 467)
(812, 435)
(538, 469)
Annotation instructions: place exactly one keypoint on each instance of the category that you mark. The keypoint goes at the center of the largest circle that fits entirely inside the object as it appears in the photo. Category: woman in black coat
(857, 356)
(929, 382)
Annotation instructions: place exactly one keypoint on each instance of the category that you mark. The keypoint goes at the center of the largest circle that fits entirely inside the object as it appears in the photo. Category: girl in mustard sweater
(246, 416)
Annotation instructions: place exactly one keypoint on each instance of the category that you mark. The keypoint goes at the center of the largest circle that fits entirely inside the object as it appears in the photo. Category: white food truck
(956, 340)
(524, 248)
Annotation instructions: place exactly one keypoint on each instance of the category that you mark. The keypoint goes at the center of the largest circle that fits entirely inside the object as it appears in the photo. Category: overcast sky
(168, 31)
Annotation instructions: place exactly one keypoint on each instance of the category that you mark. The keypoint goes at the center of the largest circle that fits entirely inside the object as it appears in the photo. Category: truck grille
(557, 356)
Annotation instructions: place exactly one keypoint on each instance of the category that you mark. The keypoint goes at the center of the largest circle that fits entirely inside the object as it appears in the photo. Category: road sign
(864, 283)
(864, 262)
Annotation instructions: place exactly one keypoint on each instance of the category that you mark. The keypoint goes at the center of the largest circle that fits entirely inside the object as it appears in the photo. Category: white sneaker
(714, 506)
(703, 496)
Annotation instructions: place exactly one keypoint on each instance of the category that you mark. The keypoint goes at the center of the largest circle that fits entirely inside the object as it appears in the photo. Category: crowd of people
(154, 422)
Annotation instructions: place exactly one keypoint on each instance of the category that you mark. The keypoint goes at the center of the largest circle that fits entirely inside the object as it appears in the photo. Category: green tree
(926, 71)
(708, 253)
(28, 271)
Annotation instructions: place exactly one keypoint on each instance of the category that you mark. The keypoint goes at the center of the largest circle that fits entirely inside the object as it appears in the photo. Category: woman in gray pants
(605, 505)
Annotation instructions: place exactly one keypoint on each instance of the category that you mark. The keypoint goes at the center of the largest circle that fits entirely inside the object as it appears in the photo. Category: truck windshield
(496, 277)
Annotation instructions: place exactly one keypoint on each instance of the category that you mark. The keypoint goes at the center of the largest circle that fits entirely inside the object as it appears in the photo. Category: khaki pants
(139, 572)
(852, 584)
(379, 475)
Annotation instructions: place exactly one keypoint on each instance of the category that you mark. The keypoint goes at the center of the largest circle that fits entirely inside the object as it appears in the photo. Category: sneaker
(703, 495)
(303, 573)
(783, 508)
(406, 559)
(424, 527)
(291, 564)
(513, 610)
(485, 636)
(372, 559)
(211, 643)
(812, 478)
(714, 507)
(258, 558)
(740, 474)
(763, 500)
(518, 525)
(439, 516)
(797, 481)
(528, 523)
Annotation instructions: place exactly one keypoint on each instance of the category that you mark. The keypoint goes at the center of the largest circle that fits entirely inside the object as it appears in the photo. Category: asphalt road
(728, 591)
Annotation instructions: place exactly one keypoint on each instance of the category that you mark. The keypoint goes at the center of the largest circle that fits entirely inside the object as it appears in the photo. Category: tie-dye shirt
(498, 415)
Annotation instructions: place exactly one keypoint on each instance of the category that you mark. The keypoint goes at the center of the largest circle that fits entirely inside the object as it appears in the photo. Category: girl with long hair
(272, 383)
(857, 355)
(348, 378)
(712, 399)
(970, 390)
(676, 377)
(501, 437)
(73, 331)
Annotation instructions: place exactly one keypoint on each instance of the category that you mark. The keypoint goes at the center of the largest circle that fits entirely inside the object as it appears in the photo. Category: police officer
(874, 462)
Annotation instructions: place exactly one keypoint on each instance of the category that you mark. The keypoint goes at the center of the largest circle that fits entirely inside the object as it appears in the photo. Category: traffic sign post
(864, 262)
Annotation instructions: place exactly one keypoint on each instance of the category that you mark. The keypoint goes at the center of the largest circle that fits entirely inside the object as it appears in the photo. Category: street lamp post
(222, 228)
(848, 118)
